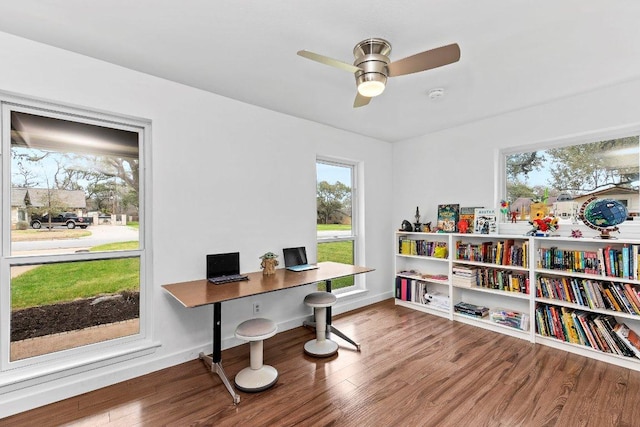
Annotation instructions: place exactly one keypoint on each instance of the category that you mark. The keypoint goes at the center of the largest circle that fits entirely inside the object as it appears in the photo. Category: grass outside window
(337, 252)
(67, 281)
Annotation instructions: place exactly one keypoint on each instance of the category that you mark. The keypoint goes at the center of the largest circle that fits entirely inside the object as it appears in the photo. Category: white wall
(458, 165)
(206, 149)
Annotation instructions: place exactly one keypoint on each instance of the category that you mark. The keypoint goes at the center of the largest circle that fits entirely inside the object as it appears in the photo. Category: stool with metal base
(321, 346)
(257, 376)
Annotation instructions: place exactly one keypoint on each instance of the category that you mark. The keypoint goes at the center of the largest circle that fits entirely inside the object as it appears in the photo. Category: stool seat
(320, 299)
(256, 329)
(321, 346)
(257, 376)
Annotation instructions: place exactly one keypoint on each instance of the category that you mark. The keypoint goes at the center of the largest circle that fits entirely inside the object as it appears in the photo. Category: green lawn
(338, 252)
(53, 283)
(327, 227)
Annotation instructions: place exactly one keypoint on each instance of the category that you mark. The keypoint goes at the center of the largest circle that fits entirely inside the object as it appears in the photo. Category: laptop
(295, 259)
(224, 268)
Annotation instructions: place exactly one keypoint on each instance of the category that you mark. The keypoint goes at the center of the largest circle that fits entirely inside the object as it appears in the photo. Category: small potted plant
(269, 263)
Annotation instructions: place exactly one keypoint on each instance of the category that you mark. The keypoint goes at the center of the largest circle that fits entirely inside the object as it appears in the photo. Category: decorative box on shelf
(509, 318)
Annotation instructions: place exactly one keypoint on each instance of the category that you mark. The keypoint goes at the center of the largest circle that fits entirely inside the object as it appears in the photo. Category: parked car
(66, 219)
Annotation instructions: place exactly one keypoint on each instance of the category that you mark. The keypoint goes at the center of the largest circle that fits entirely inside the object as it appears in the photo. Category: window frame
(356, 236)
(67, 362)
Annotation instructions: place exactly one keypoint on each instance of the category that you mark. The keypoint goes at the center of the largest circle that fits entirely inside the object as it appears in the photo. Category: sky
(333, 174)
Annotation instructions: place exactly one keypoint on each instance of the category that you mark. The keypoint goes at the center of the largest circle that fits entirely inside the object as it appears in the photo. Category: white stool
(258, 376)
(320, 346)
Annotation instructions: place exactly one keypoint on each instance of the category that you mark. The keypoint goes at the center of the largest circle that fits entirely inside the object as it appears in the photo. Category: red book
(403, 289)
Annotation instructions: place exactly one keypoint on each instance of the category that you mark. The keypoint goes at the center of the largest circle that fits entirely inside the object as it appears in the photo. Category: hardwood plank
(415, 369)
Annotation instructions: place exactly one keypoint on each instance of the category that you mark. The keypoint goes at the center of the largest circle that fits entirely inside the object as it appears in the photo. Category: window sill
(32, 375)
(353, 293)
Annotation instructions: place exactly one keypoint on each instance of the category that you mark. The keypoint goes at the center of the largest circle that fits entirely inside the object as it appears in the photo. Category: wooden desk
(201, 292)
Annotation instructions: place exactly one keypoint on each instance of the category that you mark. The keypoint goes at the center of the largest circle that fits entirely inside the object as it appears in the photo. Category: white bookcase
(427, 268)
(529, 261)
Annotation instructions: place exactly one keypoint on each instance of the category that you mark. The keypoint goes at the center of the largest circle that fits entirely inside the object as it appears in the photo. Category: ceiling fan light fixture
(371, 88)
(371, 66)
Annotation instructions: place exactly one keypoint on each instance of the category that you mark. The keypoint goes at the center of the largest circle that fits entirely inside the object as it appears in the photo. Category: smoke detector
(436, 93)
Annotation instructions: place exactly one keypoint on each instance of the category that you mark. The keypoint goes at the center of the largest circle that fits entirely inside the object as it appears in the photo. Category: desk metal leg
(217, 369)
(330, 328)
(214, 362)
(334, 330)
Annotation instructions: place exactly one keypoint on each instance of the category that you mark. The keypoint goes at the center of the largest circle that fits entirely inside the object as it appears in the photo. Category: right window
(557, 180)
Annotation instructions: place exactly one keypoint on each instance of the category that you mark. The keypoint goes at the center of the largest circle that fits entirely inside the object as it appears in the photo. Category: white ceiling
(514, 54)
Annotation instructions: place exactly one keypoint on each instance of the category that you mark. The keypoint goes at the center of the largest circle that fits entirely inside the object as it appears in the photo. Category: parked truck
(65, 219)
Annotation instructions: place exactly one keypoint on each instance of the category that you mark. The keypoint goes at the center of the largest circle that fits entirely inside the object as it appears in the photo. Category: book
(629, 337)
(471, 309)
(486, 221)
(448, 216)
(633, 297)
(468, 215)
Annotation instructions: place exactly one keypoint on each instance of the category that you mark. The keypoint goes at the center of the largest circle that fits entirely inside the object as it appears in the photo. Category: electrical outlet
(257, 307)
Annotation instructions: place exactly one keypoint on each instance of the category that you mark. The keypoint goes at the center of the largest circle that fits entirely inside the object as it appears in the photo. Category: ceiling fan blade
(360, 100)
(328, 61)
(426, 60)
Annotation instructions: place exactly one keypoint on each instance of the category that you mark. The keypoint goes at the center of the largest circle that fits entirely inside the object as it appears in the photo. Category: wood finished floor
(414, 370)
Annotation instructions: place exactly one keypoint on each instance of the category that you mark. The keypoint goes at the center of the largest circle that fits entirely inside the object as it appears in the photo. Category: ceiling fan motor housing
(371, 58)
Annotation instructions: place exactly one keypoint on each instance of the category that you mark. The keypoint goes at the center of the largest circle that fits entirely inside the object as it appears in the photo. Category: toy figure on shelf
(543, 226)
(514, 216)
(463, 226)
(504, 208)
(406, 226)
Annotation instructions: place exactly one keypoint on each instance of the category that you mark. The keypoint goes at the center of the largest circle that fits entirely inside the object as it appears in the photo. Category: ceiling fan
(372, 66)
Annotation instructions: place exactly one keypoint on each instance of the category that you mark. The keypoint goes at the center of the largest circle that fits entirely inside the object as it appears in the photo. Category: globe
(603, 215)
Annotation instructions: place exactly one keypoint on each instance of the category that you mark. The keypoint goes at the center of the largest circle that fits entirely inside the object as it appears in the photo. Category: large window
(73, 258)
(337, 215)
(557, 179)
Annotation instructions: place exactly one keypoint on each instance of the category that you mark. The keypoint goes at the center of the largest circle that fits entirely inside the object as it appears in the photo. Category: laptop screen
(223, 264)
(295, 256)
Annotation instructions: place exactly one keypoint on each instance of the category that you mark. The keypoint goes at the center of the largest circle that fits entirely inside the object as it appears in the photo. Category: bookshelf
(422, 275)
(560, 292)
(501, 278)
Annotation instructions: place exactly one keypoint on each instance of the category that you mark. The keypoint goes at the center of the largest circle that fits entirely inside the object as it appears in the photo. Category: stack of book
(464, 276)
(471, 309)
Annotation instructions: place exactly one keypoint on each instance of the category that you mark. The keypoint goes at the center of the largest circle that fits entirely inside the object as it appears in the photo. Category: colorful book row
(422, 248)
(491, 278)
(622, 297)
(506, 252)
(610, 261)
(600, 332)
